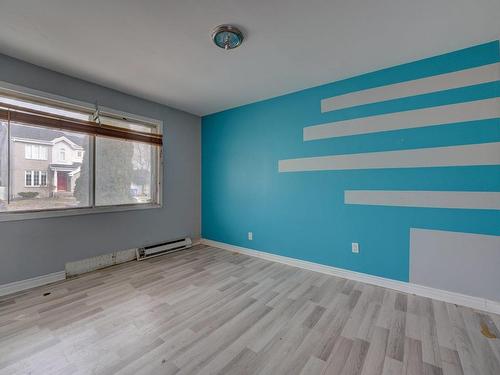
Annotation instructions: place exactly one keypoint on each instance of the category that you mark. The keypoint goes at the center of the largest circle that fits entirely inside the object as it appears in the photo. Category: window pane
(36, 178)
(43, 178)
(27, 178)
(52, 185)
(44, 108)
(125, 172)
(128, 124)
(35, 152)
(43, 153)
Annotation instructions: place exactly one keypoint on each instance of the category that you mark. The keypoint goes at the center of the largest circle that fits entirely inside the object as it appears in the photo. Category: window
(43, 178)
(92, 167)
(125, 170)
(35, 152)
(35, 178)
(47, 185)
(62, 154)
(28, 178)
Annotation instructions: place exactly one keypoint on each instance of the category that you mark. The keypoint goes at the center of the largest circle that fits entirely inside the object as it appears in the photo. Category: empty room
(250, 187)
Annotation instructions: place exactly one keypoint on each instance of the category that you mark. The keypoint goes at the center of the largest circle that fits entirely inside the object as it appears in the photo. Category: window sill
(16, 216)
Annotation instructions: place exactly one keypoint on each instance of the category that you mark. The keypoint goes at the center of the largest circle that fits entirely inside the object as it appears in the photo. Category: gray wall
(39, 246)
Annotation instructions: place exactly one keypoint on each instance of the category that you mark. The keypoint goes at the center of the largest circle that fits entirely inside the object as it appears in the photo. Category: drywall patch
(464, 263)
(101, 261)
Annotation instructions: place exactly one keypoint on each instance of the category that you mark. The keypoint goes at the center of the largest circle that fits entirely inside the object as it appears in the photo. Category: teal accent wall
(302, 215)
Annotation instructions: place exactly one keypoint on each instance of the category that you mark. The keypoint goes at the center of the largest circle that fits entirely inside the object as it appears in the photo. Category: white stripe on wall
(441, 115)
(465, 263)
(461, 78)
(436, 199)
(476, 154)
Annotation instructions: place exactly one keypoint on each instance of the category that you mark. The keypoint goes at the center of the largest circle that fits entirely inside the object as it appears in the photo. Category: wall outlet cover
(250, 236)
(355, 247)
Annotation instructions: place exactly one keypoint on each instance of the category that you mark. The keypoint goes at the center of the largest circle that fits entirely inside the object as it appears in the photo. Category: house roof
(44, 134)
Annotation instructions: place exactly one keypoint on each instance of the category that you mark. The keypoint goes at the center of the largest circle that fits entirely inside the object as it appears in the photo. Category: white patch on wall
(101, 261)
(465, 263)
(440, 82)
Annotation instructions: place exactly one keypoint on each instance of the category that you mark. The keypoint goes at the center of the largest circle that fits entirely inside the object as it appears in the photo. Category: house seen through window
(46, 168)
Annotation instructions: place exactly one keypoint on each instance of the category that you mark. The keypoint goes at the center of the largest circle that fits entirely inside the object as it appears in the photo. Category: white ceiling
(161, 49)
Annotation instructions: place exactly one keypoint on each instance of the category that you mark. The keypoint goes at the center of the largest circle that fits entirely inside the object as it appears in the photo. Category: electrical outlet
(250, 236)
(355, 247)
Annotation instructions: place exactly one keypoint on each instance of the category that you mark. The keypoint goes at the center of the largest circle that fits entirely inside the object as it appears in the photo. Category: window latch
(96, 116)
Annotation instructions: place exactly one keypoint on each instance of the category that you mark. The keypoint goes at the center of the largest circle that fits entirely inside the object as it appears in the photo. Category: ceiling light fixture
(227, 37)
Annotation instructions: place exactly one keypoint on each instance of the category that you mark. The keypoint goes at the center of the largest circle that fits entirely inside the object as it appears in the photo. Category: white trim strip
(18, 286)
(440, 115)
(440, 82)
(466, 155)
(475, 200)
(420, 290)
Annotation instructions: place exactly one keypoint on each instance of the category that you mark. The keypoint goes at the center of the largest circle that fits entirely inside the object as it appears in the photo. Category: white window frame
(26, 174)
(32, 174)
(40, 96)
(42, 152)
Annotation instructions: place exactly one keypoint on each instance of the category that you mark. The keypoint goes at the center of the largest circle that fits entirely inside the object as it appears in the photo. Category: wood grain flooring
(210, 311)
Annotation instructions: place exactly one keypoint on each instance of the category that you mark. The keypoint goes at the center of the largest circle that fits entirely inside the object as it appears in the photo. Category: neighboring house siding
(19, 164)
(69, 154)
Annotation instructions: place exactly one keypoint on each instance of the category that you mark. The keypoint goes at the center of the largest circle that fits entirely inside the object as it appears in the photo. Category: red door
(62, 181)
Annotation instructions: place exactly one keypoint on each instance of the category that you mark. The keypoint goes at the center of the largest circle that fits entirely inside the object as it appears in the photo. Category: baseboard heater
(163, 248)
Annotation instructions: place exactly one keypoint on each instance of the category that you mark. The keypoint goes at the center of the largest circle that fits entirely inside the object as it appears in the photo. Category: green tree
(82, 187)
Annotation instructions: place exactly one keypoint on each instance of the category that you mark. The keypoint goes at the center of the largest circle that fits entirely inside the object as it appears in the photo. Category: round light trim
(227, 37)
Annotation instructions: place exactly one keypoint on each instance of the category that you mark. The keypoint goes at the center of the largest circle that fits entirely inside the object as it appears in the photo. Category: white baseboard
(18, 286)
(420, 290)
(73, 269)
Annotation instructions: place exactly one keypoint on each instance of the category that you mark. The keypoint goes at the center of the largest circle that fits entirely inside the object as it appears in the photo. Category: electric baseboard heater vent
(163, 248)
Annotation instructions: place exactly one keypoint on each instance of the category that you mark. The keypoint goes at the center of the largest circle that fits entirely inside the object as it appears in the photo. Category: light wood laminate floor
(210, 311)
